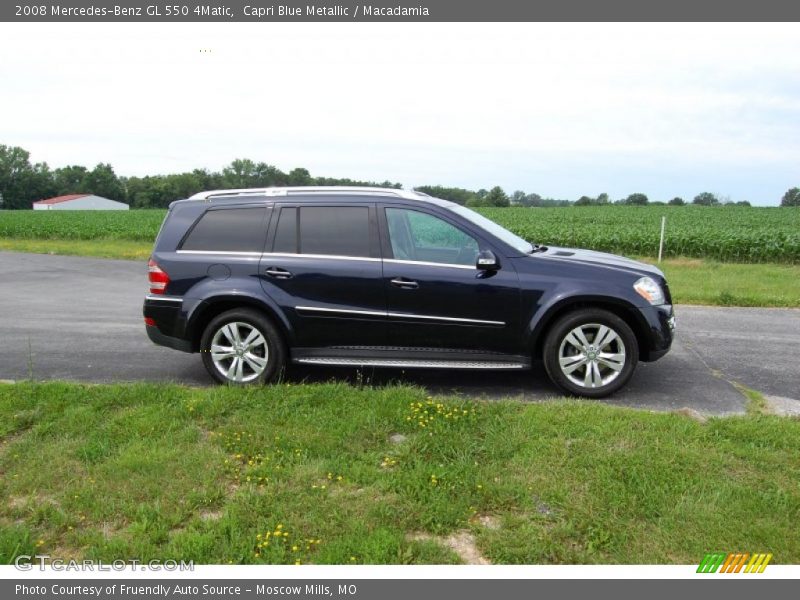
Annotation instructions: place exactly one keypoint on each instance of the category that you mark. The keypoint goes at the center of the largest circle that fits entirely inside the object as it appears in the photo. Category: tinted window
(419, 236)
(336, 230)
(286, 233)
(228, 230)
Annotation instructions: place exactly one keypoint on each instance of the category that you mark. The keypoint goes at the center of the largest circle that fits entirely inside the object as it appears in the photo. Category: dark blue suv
(253, 279)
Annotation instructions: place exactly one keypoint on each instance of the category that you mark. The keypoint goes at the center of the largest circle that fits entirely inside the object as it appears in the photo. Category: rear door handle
(278, 273)
(406, 284)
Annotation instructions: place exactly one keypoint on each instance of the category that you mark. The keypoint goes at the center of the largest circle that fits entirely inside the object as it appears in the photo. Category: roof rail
(307, 190)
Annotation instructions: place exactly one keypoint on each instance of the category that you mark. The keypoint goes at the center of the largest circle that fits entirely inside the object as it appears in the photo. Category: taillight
(150, 321)
(158, 277)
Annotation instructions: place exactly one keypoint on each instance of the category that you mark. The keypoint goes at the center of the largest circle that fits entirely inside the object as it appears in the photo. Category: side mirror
(487, 261)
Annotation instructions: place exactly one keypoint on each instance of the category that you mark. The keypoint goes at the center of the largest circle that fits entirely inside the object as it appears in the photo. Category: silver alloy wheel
(239, 351)
(592, 355)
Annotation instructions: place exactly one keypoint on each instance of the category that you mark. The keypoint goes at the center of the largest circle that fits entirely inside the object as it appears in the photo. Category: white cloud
(561, 109)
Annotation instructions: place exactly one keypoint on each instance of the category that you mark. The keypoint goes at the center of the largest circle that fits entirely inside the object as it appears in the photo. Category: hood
(590, 257)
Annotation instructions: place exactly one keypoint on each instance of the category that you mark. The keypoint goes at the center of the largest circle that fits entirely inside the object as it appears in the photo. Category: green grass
(756, 402)
(100, 248)
(694, 281)
(160, 471)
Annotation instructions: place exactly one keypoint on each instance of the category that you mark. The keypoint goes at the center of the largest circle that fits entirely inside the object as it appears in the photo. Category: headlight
(648, 289)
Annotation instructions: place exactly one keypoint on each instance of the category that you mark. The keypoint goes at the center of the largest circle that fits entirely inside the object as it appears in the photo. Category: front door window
(421, 237)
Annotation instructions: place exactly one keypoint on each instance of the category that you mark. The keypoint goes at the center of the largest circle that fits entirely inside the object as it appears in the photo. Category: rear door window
(324, 230)
(286, 231)
(334, 230)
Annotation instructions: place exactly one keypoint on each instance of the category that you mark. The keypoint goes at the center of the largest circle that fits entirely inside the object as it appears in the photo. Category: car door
(436, 297)
(322, 267)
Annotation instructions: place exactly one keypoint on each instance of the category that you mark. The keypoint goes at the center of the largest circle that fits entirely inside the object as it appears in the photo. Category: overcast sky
(558, 109)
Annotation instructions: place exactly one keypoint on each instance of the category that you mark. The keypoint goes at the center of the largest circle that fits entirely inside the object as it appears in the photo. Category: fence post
(661, 242)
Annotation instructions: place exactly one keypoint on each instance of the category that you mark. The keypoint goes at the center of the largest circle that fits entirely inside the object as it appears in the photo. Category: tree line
(497, 197)
(22, 183)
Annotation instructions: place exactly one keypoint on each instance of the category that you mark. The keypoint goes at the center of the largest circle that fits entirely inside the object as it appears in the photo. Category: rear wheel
(590, 352)
(241, 347)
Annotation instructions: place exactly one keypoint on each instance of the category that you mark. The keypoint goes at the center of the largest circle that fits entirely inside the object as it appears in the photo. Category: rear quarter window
(228, 230)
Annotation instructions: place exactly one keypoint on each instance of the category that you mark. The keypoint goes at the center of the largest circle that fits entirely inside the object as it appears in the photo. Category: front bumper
(660, 323)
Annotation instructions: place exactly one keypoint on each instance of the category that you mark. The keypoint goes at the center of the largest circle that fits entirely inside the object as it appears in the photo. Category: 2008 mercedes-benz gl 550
(253, 279)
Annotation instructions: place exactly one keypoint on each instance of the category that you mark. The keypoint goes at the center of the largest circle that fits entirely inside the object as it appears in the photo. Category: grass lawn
(697, 281)
(692, 280)
(311, 474)
(100, 248)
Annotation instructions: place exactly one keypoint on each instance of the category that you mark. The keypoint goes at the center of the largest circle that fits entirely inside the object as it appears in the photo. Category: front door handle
(278, 273)
(403, 283)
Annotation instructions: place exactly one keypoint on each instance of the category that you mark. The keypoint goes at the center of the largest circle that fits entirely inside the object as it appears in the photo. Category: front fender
(544, 314)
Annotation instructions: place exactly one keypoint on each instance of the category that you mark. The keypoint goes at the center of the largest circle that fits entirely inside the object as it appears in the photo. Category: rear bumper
(166, 340)
(660, 322)
(168, 322)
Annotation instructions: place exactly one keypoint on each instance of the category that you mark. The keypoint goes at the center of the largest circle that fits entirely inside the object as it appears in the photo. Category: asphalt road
(80, 319)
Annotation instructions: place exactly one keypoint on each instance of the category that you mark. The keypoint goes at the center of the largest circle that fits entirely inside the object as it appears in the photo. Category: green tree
(207, 180)
(791, 197)
(637, 199)
(532, 200)
(300, 176)
(676, 201)
(102, 181)
(239, 174)
(21, 183)
(70, 179)
(354, 182)
(37, 184)
(603, 199)
(496, 197)
(584, 201)
(518, 197)
(743, 203)
(454, 194)
(706, 199)
(14, 164)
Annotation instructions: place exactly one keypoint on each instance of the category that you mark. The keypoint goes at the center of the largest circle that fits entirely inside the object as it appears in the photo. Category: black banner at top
(396, 10)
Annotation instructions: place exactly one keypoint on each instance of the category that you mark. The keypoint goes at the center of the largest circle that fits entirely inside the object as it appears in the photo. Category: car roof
(353, 193)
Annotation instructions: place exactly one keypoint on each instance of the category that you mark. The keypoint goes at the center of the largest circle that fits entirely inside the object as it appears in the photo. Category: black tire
(608, 378)
(273, 350)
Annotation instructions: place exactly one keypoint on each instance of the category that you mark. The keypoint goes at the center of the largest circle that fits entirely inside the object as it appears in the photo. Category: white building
(79, 202)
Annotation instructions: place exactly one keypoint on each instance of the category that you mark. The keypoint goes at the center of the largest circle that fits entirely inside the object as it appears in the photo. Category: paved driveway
(80, 318)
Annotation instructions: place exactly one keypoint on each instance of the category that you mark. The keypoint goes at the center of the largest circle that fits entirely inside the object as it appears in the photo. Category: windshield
(496, 230)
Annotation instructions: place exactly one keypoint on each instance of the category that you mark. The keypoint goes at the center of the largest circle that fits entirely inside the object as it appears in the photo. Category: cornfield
(730, 233)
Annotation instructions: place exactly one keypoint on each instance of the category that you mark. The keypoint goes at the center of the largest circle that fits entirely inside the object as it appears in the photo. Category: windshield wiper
(537, 248)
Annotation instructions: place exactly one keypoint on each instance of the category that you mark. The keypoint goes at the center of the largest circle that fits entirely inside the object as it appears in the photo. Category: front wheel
(590, 353)
(241, 347)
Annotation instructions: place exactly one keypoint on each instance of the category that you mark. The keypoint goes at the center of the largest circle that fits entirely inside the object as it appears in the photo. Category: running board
(410, 363)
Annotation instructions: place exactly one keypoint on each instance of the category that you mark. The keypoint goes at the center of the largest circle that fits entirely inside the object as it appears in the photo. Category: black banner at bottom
(392, 589)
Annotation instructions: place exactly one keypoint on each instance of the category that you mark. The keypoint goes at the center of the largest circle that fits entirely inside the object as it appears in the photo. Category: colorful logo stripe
(734, 562)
